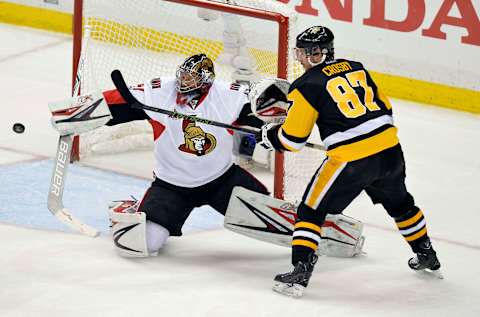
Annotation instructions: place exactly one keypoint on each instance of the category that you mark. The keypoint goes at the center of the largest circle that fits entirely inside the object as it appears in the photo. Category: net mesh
(150, 38)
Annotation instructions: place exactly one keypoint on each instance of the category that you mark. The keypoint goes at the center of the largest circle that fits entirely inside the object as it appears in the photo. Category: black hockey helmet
(194, 73)
(317, 39)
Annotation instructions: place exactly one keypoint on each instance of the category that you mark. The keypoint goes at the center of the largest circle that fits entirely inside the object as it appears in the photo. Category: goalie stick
(62, 160)
(122, 88)
(57, 184)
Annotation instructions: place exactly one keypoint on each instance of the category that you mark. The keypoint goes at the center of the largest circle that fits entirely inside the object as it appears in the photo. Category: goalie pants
(336, 184)
(169, 205)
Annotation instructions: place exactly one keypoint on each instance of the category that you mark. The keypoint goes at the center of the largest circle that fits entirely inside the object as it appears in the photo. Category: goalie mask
(194, 73)
(194, 78)
(268, 99)
(315, 40)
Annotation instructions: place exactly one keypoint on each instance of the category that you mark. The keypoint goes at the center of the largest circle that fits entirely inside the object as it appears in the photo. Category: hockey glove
(268, 99)
(262, 136)
(80, 114)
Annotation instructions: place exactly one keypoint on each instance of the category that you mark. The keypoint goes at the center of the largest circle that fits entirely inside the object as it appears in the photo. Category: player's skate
(426, 260)
(294, 283)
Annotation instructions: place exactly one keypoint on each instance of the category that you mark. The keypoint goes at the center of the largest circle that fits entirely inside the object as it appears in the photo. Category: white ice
(48, 271)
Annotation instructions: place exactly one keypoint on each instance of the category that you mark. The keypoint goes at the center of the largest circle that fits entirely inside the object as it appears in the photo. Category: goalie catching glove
(80, 114)
(269, 103)
(268, 99)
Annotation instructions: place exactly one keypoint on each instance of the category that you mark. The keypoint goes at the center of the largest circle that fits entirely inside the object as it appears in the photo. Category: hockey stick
(122, 88)
(62, 160)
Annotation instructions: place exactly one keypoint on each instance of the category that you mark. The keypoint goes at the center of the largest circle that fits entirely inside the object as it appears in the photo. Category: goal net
(246, 39)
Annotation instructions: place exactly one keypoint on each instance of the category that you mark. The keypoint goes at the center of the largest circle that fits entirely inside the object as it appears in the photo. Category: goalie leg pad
(260, 216)
(272, 220)
(341, 236)
(132, 235)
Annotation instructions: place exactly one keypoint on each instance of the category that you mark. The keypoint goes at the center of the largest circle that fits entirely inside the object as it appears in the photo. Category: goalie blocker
(80, 114)
(272, 220)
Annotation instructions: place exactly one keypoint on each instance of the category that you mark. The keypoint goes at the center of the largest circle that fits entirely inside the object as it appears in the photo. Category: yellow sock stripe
(412, 220)
(309, 225)
(417, 235)
(305, 243)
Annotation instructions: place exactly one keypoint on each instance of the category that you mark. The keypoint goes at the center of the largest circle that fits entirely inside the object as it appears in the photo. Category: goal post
(146, 39)
(76, 51)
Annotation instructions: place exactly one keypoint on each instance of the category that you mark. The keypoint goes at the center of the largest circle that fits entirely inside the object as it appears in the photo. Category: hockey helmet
(194, 73)
(316, 39)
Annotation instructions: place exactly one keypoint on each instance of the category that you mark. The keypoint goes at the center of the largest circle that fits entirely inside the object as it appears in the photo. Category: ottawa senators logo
(197, 141)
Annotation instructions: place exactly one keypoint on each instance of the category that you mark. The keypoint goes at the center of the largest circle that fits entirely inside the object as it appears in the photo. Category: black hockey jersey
(353, 117)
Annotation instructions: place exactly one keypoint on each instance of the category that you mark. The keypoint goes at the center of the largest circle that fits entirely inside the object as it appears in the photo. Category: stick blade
(67, 218)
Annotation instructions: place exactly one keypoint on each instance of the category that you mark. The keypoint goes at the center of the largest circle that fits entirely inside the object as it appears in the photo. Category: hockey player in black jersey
(363, 153)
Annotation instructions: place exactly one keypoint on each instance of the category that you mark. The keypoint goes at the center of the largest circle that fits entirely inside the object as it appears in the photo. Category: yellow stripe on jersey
(288, 144)
(308, 225)
(366, 147)
(305, 243)
(323, 180)
(410, 221)
(300, 121)
(384, 99)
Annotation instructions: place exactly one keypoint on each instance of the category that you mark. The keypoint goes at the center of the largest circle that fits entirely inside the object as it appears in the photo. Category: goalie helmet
(316, 39)
(196, 74)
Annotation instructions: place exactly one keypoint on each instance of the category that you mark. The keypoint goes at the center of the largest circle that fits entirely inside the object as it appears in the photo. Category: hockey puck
(18, 128)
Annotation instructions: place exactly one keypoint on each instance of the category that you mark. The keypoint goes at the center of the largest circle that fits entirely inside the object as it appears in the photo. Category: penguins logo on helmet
(316, 39)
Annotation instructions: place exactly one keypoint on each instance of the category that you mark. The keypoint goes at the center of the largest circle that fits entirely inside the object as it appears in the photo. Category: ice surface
(48, 271)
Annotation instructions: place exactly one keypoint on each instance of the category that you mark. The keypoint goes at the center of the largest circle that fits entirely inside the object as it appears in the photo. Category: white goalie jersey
(189, 153)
